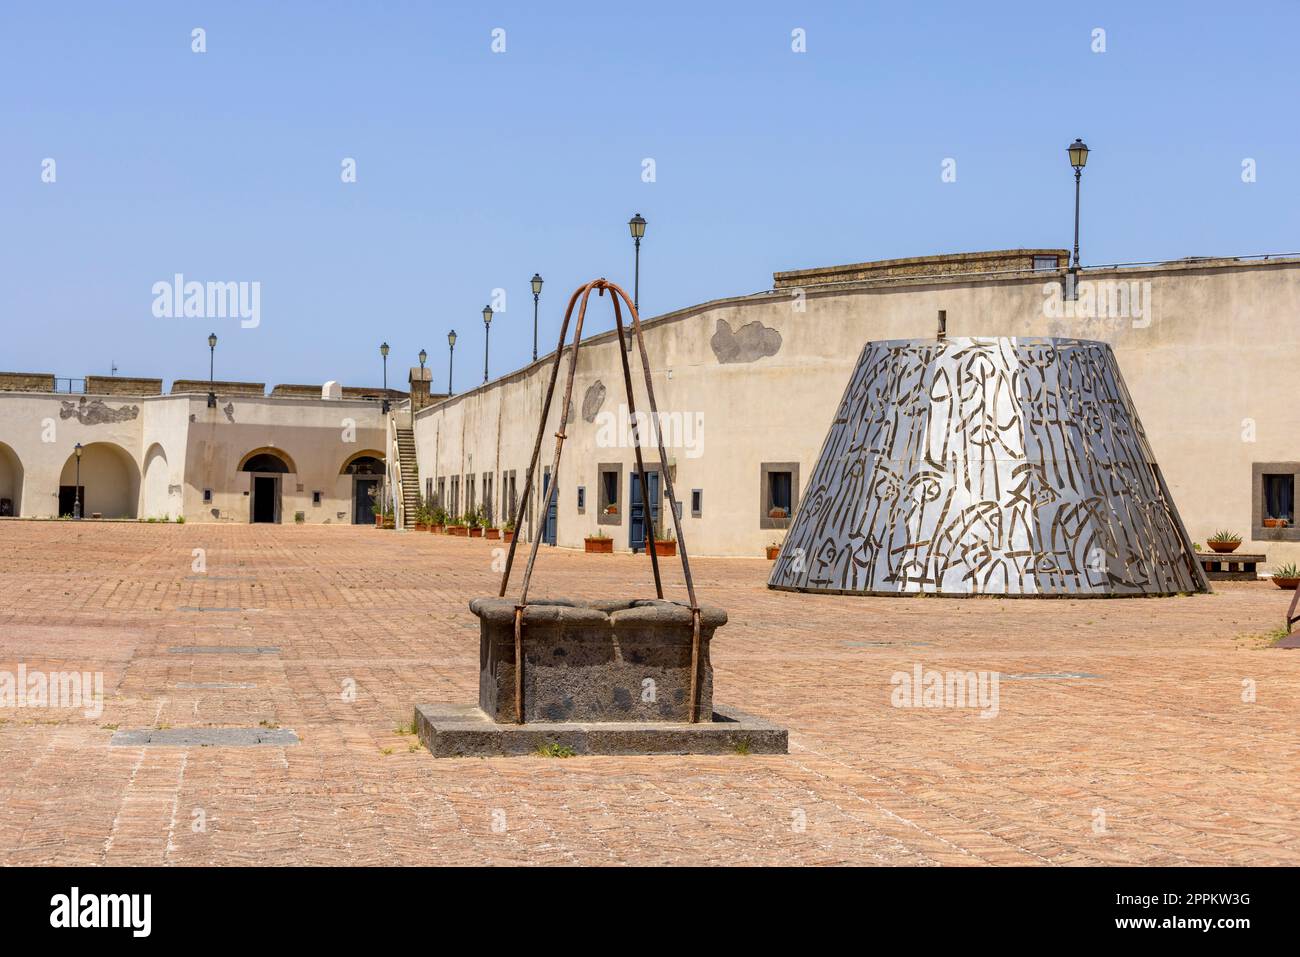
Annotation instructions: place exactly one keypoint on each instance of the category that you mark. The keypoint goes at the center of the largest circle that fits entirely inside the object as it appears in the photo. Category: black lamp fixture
(383, 351)
(76, 505)
(487, 328)
(451, 358)
(212, 358)
(537, 294)
(421, 388)
(1078, 151)
(636, 226)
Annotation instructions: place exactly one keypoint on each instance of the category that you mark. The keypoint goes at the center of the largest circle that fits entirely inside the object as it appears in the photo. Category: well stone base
(454, 731)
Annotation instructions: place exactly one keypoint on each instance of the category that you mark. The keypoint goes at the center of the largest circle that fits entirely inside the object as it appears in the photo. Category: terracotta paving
(1157, 758)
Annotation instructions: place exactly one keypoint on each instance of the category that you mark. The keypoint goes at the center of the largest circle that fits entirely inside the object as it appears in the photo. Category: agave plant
(1287, 571)
(1224, 536)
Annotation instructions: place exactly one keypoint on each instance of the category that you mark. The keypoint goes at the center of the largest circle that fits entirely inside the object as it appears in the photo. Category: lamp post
(383, 351)
(1078, 151)
(76, 506)
(487, 328)
(537, 294)
(212, 358)
(451, 358)
(423, 356)
(636, 225)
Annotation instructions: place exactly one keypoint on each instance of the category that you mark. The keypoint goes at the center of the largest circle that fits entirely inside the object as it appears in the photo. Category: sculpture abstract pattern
(1000, 466)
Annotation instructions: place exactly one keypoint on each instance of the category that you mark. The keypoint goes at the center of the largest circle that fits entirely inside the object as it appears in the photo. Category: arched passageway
(109, 482)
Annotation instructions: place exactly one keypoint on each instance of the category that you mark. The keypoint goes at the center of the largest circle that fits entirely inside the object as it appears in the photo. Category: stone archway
(11, 481)
(110, 482)
(266, 466)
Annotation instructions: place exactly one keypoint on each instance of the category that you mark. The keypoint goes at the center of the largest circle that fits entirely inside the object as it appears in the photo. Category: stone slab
(452, 731)
(204, 737)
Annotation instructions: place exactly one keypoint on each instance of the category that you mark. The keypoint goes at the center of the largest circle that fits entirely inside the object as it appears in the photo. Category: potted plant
(390, 517)
(665, 545)
(492, 533)
(437, 518)
(1276, 523)
(778, 513)
(773, 549)
(474, 522)
(599, 543)
(1286, 576)
(377, 508)
(508, 532)
(422, 517)
(1224, 542)
(611, 509)
(456, 526)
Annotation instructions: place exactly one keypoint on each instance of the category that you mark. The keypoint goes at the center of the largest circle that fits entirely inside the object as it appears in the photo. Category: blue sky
(475, 168)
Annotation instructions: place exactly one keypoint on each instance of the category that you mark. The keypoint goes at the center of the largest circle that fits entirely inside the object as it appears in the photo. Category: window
(315, 498)
(582, 499)
(207, 496)
(442, 492)
(455, 496)
(778, 493)
(697, 502)
(1046, 263)
(470, 503)
(513, 499)
(487, 496)
(1273, 501)
(610, 480)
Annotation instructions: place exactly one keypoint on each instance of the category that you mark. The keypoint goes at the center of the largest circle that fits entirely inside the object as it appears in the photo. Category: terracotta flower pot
(666, 549)
(1275, 523)
(1224, 548)
(421, 527)
(777, 513)
(476, 532)
(507, 534)
(436, 529)
(492, 534)
(1287, 584)
(601, 546)
(459, 531)
(772, 552)
(379, 520)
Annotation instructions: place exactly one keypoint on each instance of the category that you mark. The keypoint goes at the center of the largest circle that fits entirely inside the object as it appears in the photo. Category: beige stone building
(746, 385)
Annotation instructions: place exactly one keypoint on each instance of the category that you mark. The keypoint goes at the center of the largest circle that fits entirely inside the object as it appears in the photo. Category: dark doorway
(548, 529)
(266, 504)
(636, 526)
(365, 492)
(68, 499)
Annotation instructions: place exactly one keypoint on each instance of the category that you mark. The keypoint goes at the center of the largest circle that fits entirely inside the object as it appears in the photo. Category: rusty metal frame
(601, 286)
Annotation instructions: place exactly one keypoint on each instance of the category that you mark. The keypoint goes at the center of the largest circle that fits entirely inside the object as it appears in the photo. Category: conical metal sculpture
(998, 466)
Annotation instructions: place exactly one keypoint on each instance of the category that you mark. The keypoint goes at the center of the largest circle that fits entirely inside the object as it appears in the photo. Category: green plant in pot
(1224, 541)
(1286, 576)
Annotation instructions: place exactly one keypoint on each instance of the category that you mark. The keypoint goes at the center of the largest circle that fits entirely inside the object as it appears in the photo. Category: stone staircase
(410, 476)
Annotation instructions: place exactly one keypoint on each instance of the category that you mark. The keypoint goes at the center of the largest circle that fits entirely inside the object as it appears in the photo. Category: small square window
(697, 502)
(315, 498)
(582, 499)
(609, 510)
(207, 496)
(1046, 263)
(778, 493)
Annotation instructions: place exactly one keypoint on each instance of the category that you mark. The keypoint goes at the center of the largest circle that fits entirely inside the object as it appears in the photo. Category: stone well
(591, 661)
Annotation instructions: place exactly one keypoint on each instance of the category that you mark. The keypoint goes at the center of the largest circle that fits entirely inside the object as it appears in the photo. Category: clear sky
(475, 168)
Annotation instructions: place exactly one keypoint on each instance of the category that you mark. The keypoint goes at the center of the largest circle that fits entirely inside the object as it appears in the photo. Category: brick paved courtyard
(1152, 757)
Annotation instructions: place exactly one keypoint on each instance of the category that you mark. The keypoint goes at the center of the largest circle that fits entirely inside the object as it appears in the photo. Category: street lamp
(1078, 151)
(212, 358)
(636, 225)
(451, 358)
(537, 293)
(487, 328)
(76, 507)
(423, 356)
(383, 351)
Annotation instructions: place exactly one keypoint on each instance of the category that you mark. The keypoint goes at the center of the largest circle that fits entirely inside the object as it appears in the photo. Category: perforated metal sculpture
(987, 466)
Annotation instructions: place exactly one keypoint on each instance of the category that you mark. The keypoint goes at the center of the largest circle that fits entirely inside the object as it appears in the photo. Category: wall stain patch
(749, 343)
